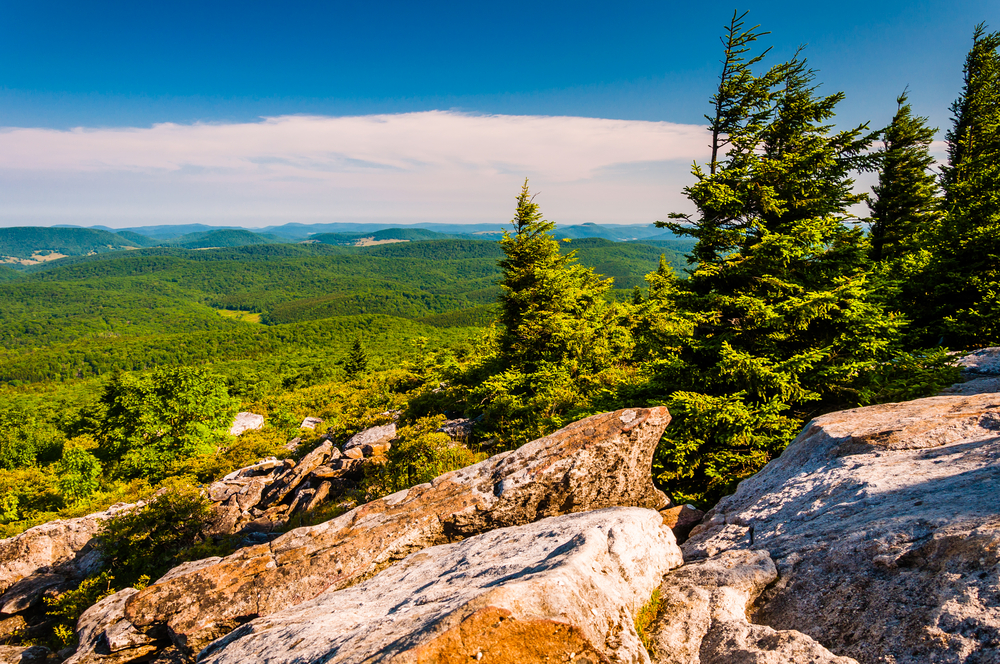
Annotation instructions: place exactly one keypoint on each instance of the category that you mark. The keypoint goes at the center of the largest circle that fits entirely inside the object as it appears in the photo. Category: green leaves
(153, 421)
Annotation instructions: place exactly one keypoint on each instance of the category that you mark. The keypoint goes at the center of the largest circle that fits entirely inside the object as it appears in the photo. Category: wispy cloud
(409, 167)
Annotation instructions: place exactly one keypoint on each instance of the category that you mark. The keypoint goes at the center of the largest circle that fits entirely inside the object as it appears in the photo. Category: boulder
(63, 547)
(106, 637)
(311, 423)
(246, 422)
(562, 589)
(371, 436)
(459, 429)
(598, 462)
(884, 525)
(24, 654)
(702, 617)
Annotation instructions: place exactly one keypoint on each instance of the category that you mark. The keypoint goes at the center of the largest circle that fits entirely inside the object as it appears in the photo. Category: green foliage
(906, 210)
(230, 237)
(23, 242)
(79, 470)
(153, 421)
(965, 271)
(778, 322)
(149, 541)
(418, 455)
(357, 359)
(24, 439)
(67, 607)
(550, 306)
(646, 617)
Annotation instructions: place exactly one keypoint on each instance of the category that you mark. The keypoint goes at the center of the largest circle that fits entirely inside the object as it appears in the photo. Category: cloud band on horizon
(412, 167)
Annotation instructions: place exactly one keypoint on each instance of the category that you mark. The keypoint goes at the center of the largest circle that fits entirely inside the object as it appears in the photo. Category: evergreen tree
(906, 209)
(783, 325)
(551, 306)
(357, 359)
(967, 269)
(559, 342)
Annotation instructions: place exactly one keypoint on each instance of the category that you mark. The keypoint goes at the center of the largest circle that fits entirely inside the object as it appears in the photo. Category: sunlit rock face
(884, 525)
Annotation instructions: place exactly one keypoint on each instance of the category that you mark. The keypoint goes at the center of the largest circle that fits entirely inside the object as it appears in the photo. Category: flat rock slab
(63, 547)
(561, 589)
(601, 461)
(244, 422)
(884, 524)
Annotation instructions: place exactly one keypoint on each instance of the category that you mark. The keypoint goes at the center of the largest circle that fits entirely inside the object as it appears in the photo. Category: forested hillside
(29, 241)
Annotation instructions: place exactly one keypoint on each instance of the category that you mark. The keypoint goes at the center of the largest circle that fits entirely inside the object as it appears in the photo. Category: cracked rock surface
(598, 462)
(884, 525)
(564, 588)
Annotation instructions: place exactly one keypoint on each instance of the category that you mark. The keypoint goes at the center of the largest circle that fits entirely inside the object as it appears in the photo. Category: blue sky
(130, 66)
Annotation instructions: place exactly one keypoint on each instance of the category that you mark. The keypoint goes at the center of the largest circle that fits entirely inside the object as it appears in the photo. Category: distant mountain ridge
(30, 245)
(27, 247)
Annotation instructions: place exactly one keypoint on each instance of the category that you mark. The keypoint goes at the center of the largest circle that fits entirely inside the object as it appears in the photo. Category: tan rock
(106, 637)
(371, 436)
(884, 524)
(354, 453)
(561, 589)
(291, 480)
(598, 462)
(681, 519)
(703, 617)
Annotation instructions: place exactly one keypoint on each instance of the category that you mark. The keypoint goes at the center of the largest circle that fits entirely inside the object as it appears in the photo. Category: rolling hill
(30, 245)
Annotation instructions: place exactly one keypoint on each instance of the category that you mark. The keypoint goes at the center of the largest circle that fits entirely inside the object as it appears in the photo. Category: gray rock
(703, 616)
(311, 423)
(24, 654)
(459, 429)
(983, 361)
(884, 524)
(246, 422)
(562, 588)
(372, 436)
(106, 637)
(28, 592)
(598, 462)
(63, 547)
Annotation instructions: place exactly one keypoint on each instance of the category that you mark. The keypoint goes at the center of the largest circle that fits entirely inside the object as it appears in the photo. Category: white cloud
(411, 167)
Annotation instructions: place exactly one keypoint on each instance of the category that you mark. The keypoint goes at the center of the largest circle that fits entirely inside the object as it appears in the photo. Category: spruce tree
(906, 209)
(967, 269)
(783, 323)
(550, 305)
(357, 359)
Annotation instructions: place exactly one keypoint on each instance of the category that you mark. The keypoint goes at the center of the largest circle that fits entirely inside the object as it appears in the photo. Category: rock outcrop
(980, 373)
(561, 589)
(598, 462)
(244, 422)
(47, 558)
(703, 616)
(884, 525)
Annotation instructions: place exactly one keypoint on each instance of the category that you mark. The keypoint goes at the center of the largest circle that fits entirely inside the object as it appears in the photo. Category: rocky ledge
(873, 539)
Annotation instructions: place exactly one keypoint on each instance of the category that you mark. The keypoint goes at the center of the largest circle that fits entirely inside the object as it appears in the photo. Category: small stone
(354, 453)
(371, 436)
(310, 423)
